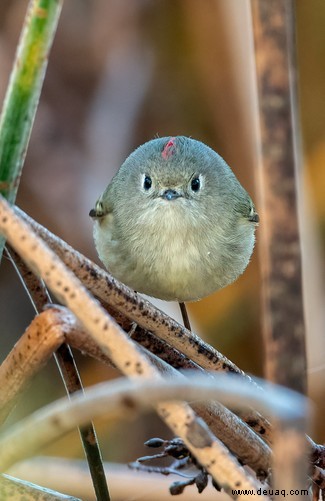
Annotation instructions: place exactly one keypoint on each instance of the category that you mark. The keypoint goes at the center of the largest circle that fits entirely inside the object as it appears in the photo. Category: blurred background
(119, 73)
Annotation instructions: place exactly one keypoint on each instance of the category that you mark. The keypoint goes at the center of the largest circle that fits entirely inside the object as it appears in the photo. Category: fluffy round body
(175, 223)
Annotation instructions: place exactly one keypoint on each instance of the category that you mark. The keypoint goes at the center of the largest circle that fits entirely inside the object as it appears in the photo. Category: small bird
(175, 223)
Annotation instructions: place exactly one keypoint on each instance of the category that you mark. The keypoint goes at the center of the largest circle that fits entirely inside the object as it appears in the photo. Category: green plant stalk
(23, 92)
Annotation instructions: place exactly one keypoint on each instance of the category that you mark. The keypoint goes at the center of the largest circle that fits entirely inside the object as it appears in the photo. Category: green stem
(23, 92)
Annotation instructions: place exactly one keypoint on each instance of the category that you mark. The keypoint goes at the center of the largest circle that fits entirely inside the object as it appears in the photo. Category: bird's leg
(186, 320)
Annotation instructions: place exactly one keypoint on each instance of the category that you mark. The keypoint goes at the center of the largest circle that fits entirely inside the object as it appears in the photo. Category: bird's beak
(170, 194)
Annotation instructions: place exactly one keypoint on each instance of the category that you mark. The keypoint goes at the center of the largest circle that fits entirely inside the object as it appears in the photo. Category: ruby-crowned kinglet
(174, 222)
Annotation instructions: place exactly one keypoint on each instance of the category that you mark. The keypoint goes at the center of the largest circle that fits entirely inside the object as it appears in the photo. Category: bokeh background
(121, 72)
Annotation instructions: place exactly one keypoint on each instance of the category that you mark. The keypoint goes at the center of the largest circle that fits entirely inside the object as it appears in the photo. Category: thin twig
(39, 297)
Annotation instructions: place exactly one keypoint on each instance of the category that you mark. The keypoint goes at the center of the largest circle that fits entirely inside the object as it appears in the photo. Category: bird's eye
(147, 182)
(195, 184)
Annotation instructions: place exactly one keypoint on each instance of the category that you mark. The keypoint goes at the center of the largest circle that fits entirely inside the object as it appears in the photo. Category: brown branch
(284, 331)
(39, 296)
(32, 351)
(57, 323)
